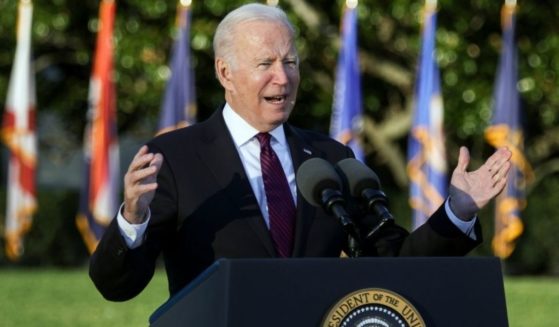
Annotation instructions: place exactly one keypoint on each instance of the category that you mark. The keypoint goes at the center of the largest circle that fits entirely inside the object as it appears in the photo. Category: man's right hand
(140, 185)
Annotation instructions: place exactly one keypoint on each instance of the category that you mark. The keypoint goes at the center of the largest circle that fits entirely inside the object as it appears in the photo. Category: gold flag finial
(185, 3)
(351, 3)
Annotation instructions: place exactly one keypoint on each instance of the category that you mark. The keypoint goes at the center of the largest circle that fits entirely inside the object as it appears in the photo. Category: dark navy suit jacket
(204, 209)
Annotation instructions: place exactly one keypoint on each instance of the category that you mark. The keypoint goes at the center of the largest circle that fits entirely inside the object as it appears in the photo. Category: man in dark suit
(199, 193)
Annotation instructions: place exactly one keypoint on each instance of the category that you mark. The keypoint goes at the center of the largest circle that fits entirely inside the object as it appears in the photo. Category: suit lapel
(218, 151)
(300, 152)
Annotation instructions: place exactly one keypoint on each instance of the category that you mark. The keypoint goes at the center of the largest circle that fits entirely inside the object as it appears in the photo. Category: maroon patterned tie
(281, 208)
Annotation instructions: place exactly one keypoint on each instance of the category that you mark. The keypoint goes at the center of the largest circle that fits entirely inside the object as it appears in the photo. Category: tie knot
(263, 138)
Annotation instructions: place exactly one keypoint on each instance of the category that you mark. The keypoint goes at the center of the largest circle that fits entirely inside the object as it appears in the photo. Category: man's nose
(280, 74)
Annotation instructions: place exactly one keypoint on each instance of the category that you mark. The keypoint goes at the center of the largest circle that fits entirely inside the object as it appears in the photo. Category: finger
(134, 177)
(157, 161)
(501, 176)
(496, 178)
(463, 159)
(141, 160)
(144, 175)
(500, 184)
(498, 159)
(150, 170)
(143, 150)
(501, 173)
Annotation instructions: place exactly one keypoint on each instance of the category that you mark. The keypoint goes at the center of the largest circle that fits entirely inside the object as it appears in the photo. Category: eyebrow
(272, 58)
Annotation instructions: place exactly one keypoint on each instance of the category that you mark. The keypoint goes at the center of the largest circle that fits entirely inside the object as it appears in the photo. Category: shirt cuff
(467, 227)
(133, 234)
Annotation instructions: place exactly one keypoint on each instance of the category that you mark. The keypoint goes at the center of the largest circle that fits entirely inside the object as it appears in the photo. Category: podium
(457, 291)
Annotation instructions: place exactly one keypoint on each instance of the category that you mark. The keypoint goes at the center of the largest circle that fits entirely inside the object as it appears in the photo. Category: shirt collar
(242, 132)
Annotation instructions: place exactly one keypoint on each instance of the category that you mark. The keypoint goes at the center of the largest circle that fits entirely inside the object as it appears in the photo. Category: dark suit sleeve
(437, 237)
(120, 273)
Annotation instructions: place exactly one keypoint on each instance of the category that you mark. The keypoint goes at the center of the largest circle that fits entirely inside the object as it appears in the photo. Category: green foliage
(468, 45)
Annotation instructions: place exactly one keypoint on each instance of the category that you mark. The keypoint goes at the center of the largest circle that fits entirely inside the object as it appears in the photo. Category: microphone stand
(376, 204)
(354, 247)
(331, 199)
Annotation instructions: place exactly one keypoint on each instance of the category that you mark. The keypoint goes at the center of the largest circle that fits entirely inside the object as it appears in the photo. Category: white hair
(225, 33)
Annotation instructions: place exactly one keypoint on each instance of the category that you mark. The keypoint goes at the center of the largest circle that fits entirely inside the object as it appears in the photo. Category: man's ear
(223, 72)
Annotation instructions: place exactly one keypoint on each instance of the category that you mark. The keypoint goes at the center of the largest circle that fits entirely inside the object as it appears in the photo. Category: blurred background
(469, 39)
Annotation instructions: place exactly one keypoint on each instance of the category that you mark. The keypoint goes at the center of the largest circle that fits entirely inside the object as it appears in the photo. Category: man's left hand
(471, 191)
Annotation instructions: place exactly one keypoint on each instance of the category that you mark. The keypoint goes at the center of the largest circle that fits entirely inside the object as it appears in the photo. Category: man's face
(261, 83)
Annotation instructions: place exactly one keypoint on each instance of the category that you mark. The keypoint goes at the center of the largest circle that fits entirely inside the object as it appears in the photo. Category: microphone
(320, 185)
(364, 184)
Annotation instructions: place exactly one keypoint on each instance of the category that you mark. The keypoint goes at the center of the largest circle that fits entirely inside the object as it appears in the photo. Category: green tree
(468, 42)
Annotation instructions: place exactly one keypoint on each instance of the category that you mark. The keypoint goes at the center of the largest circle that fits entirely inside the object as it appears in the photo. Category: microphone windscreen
(358, 175)
(313, 177)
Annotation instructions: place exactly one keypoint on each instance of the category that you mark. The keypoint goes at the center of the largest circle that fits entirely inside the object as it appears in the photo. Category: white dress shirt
(244, 137)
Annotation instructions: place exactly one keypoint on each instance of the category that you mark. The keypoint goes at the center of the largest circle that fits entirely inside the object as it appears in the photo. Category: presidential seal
(373, 307)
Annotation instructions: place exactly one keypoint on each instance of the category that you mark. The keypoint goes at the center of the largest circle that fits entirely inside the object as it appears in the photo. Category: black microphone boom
(363, 183)
(320, 185)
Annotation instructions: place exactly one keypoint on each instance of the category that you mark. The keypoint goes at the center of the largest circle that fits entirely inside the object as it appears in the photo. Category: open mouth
(278, 99)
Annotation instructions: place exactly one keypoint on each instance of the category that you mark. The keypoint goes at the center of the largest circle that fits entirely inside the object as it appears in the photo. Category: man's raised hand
(471, 191)
(140, 183)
